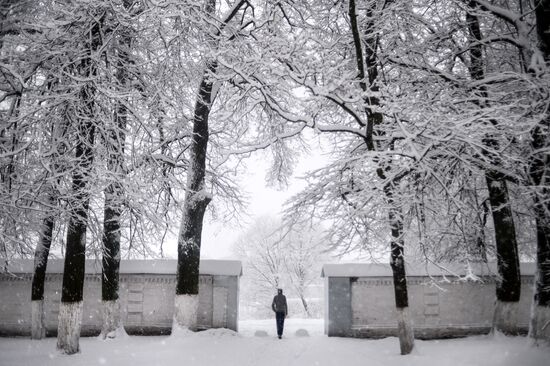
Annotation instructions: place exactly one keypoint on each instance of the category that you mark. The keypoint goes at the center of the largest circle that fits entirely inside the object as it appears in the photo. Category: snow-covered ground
(249, 347)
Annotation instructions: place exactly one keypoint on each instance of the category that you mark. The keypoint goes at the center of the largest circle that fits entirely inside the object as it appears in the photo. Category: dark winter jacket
(279, 303)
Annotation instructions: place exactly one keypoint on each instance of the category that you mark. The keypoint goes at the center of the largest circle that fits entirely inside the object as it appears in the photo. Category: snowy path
(221, 347)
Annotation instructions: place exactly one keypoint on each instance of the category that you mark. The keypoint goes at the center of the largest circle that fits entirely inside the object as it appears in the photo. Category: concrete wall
(147, 303)
(365, 306)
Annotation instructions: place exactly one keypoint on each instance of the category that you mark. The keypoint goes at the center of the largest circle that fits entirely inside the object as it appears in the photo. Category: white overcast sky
(217, 239)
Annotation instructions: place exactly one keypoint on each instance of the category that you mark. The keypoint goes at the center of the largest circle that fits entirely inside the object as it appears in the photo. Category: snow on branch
(516, 19)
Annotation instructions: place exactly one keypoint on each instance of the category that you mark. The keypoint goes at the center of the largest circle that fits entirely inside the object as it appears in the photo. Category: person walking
(281, 310)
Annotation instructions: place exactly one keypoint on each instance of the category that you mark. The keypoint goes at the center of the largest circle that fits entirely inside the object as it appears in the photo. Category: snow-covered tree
(280, 255)
(115, 141)
(437, 113)
(306, 255)
(343, 76)
(509, 287)
(197, 195)
(83, 113)
(263, 251)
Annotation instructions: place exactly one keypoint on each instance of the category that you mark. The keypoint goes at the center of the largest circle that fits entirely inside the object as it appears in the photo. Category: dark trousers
(280, 318)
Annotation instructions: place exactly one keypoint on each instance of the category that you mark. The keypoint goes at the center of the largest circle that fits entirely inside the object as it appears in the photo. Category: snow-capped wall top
(419, 269)
(147, 266)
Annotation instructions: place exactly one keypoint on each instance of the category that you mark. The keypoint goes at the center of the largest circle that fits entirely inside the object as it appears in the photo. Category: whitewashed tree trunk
(114, 194)
(366, 42)
(539, 330)
(506, 317)
(508, 288)
(68, 328)
(539, 327)
(112, 324)
(185, 313)
(38, 321)
(38, 330)
(83, 118)
(405, 330)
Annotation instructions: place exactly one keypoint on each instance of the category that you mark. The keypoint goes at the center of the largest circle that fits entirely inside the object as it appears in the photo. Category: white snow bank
(222, 347)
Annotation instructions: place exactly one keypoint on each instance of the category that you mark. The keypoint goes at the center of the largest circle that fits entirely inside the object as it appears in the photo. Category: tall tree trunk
(112, 229)
(112, 325)
(38, 330)
(114, 194)
(374, 119)
(196, 197)
(397, 262)
(539, 328)
(38, 326)
(539, 173)
(70, 312)
(195, 203)
(508, 287)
